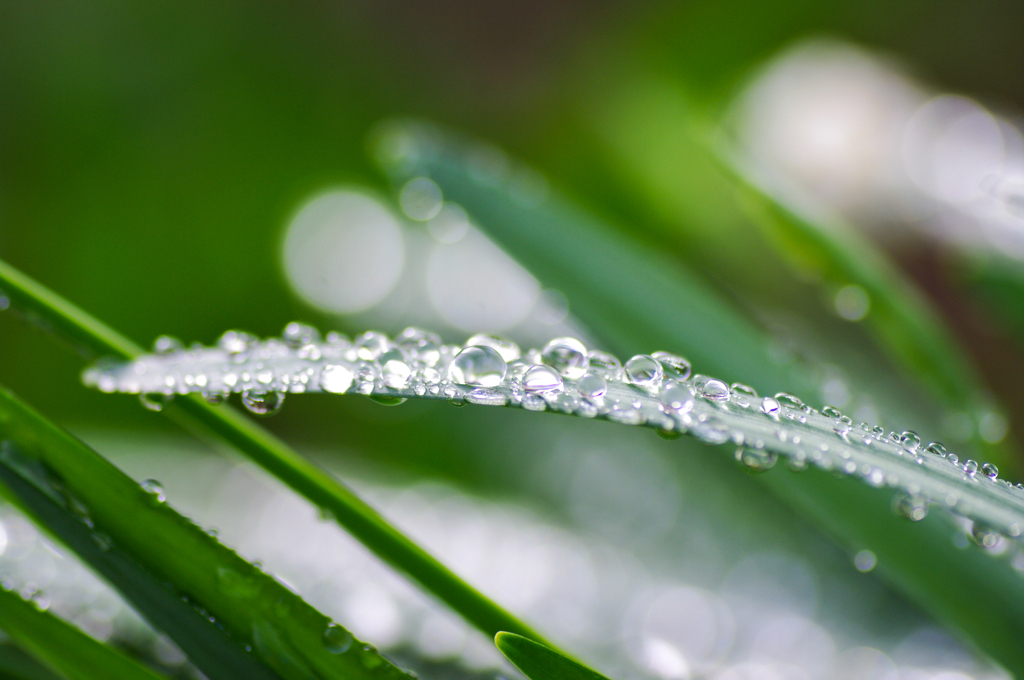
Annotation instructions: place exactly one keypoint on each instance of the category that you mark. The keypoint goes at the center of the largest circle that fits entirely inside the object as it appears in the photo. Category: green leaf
(62, 646)
(538, 662)
(171, 570)
(44, 307)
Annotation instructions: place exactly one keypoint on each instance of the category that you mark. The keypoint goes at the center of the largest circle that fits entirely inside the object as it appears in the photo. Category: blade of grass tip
(607, 272)
(538, 662)
(273, 455)
(176, 574)
(63, 647)
(898, 314)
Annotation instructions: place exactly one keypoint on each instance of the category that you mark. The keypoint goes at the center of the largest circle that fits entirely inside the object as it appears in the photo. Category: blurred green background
(151, 157)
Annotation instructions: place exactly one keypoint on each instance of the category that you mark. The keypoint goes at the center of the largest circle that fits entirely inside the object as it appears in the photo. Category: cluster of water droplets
(657, 390)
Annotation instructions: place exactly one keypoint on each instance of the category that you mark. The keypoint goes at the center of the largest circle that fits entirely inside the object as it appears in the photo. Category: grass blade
(62, 646)
(363, 522)
(113, 524)
(538, 662)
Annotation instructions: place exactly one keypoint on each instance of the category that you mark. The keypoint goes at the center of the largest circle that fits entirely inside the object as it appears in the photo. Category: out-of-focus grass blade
(62, 646)
(626, 293)
(538, 662)
(50, 311)
(899, 315)
(139, 544)
(659, 304)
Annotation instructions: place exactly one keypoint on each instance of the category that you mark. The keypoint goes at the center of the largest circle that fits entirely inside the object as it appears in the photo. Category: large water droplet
(153, 488)
(262, 403)
(910, 441)
(477, 366)
(789, 401)
(715, 390)
(568, 356)
(592, 385)
(770, 407)
(831, 412)
(910, 506)
(936, 448)
(606, 364)
(541, 379)
(675, 367)
(990, 470)
(971, 467)
(508, 350)
(335, 378)
(756, 460)
(336, 639)
(644, 371)
(394, 370)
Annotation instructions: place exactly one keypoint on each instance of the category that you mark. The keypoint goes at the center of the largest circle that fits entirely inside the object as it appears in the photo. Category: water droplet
(386, 399)
(262, 403)
(371, 345)
(166, 344)
(953, 458)
(394, 371)
(675, 367)
(215, 398)
(842, 429)
(309, 352)
(971, 467)
(534, 402)
(541, 379)
(756, 460)
(677, 398)
(770, 407)
(910, 506)
(990, 470)
(153, 488)
(831, 412)
(155, 401)
(744, 390)
(910, 441)
(711, 431)
(568, 356)
(789, 401)
(606, 364)
(936, 448)
(336, 639)
(477, 366)
(644, 371)
(715, 390)
(335, 379)
(371, 659)
(102, 541)
(487, 397)
(508, 350)
(236, 342)
(298, 334)
(592, 385)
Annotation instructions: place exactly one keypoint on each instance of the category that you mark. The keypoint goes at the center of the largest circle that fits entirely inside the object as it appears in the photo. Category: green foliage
(538, 662)
(62, 646)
